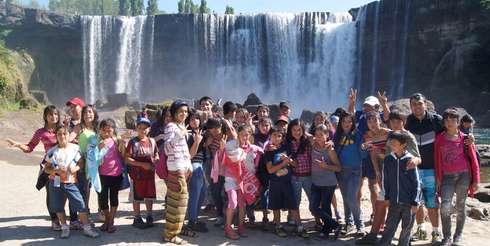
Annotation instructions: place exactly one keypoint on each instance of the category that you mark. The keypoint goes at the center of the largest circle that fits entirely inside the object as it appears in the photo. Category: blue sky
(257, 6)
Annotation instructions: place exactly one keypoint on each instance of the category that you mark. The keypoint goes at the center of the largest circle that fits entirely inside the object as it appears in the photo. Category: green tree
(485, 3)
(181, 6)
(188, 6)
(152, 7)
(124, 7)
(229, 10)
(34, 4)
(137, 7)
(203, 9)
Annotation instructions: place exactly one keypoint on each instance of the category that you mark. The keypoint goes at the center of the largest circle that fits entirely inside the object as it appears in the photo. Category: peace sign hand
(198, 136)
(353, 96)
(383, 99)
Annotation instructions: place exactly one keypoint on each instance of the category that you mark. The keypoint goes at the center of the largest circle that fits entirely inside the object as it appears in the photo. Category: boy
(281, 191)
(141, 154)
(402, 190)
(62, 165)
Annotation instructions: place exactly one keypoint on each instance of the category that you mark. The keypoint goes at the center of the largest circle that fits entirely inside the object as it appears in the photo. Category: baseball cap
(282, 118)
(143, 120)
(417, 97)
(76, 101)
(176, 105)
(371, 100)
(284, 104)
(334, 119)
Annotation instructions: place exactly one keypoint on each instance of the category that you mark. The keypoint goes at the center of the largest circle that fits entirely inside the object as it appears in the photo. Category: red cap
(76, 101)
(283, 118)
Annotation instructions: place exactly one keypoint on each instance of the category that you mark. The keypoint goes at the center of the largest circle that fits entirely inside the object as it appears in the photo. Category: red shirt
(142, 151)
(47, 137)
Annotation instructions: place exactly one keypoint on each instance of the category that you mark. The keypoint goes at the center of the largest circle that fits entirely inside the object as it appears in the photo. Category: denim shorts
(428, 184)
(70, 191)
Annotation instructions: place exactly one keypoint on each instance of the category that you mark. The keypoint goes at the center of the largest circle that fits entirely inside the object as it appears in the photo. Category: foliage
(136, 7)
(203, 9)
(485, 3)
(189, 7)
(85, 7)
(124, 7)
(152, 7)
(229, 10)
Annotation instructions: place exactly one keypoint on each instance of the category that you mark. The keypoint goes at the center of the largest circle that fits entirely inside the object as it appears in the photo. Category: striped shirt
(176, 149)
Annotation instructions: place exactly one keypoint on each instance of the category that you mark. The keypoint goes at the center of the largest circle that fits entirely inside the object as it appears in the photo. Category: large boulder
(40, 96)
(28, 102)
(484, 151)
(483, 195)
(307, 116)
(403, 106)
(119, 100)
(252, 99)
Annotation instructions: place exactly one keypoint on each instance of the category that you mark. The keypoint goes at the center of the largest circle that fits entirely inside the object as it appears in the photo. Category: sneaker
(348, 229)
(75, 225)
(446, 242)
(149, 221)
(139, 223)
(65, 232)
(420, 234)
(360, 232)
(369, 239)
(230, 233)
(436, 237)
(197, 226)
(55, 226)
(89, 232)
(301, 231)
(457, 240)
(280, 232)
(219, 221)
(336, 231)
(241, 231)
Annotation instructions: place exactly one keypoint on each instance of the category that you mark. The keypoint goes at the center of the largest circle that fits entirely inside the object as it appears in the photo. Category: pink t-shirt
(112, 162)
(453, 159)
(46, 137)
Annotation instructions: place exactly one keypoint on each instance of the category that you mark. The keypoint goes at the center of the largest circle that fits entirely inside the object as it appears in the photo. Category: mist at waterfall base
(308, 59)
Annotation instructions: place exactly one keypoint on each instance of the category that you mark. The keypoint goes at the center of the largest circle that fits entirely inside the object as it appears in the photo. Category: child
(282, 123)
(179, 170)
(261, 113)
(62, 165)
(397, 123)
(241, 160)
(261, 137)
(141, 154)
(466, 125)
(206, 108)
(318, 119)
(284, 109)
(243, 117)
(47, 136)
(457, 171)
(375, 141)
(110, 172)
(197, 183)
(402, 190)
(229, 113)
(348, 145)
(324, 165)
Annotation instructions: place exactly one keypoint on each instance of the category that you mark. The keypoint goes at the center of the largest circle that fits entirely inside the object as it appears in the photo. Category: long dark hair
(339, 132)
(303, 142)
(49, 110)
(95, 124)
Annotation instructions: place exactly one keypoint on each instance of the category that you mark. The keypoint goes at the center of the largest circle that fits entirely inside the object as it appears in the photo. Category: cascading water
(114, 49)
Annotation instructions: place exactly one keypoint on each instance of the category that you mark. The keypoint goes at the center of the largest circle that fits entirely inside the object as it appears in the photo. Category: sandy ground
(24, 220)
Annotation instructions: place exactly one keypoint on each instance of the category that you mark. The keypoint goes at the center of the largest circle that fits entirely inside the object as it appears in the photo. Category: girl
(243, 117)
(457, 171)
(241, 160)
(375, 142)
(110, 172)
(85, 133)
(47, 136)
(324, 166)
(299, 148)
(62, 165)
(179, 169)
(348, 145)
(318, 119)
(197, 183)
(157, 128)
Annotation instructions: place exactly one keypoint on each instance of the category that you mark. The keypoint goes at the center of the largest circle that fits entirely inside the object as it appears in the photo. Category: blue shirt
(349, 150)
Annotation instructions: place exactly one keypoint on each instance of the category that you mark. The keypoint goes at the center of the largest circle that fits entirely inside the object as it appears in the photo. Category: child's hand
(383, 99)
(415, 209)
(352, 96)
(474, 186)
(223, 142)
(413, 162)
(127, 134)
(198, 136)
(321, 163)
(101, 145)
(366, 146)
(270, 147)
(11, 142)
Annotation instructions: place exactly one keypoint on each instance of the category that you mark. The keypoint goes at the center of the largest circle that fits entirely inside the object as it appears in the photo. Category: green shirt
(411, 146)
(83, 138)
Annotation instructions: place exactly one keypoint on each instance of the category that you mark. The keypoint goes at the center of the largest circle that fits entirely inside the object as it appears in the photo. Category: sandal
(176, 240)
(187, 232)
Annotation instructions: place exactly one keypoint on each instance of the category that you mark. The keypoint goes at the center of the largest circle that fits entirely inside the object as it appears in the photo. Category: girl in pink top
(240, 168)
(47, 136)
(457, 171)
(110, 172)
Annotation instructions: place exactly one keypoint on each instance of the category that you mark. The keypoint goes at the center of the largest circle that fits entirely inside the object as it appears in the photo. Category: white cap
(371, 100)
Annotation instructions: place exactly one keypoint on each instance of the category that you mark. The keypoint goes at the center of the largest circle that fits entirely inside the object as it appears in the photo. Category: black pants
(110, 191)
(216, 191)
(397, 212)
(51, 212)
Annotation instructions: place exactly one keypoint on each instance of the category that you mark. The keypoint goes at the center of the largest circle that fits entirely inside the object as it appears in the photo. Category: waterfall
(374, 63)
(114, 50)
(306, 58)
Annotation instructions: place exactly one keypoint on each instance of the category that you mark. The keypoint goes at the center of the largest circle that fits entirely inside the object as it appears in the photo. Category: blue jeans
(302, 182)
(454, 183)
(57, 197)
(197, 191)
(397, 213)
(349, 181)
(82, 187)
(322, 195)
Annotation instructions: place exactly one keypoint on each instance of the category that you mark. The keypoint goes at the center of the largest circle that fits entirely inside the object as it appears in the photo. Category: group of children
(249, 162)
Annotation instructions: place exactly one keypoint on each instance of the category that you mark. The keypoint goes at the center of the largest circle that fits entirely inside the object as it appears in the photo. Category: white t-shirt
(64, 158)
